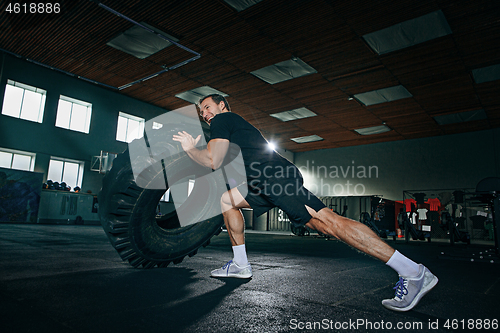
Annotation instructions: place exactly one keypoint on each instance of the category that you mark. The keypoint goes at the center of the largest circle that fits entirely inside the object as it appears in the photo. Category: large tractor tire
(128, 212)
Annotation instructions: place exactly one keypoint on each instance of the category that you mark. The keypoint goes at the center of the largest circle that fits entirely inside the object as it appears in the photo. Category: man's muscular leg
(231, 203)
(350, 232)
(361, 237)
(415, 280)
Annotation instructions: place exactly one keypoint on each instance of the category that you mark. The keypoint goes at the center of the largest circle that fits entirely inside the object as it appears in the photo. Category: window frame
(128, 118)
(81, 170)
(23, 153)
(41, 107)
(166, 196)
(73, 101)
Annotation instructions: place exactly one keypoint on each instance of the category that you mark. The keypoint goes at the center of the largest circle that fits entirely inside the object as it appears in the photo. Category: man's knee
(327, 221)
(335, 219)
(225, 200)
(233, 199)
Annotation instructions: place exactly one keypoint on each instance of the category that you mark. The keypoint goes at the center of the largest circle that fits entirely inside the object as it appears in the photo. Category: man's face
(209, 109)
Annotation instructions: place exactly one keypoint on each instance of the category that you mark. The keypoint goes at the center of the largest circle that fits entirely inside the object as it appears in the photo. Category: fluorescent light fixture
(240, 5)
(139, 42)
(383, 95)
(373, 130)
(156, 125)
(409, 33)
(283, 71)
(294, 114)
(486, 74)
(194, 95)
(304, 139)
(461, 117)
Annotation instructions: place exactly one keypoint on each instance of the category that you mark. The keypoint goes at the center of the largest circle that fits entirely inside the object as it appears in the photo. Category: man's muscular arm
(211, 157)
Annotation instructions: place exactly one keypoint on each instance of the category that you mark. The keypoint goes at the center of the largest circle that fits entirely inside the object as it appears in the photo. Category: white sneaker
(231, 269)
(409, 291)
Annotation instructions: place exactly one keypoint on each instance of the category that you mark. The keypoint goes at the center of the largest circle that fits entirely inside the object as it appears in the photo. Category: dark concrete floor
(56, 278)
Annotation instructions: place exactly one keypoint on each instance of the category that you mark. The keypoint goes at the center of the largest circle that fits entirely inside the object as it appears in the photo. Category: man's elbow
(215, 164)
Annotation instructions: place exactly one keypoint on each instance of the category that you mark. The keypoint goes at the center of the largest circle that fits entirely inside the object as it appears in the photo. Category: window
(23, 101)
(156, 125)
(129, 127)
(73, 114)
(14, 159)
(166, 196)
(64, 170)
(190, 186)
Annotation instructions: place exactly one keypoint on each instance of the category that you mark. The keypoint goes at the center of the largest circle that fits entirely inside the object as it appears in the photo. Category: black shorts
(287, 194)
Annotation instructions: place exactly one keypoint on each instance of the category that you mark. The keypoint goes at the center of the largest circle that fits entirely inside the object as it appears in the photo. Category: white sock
(240, 255)
(402, 265)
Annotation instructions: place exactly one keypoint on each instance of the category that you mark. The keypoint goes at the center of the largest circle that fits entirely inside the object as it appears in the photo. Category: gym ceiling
(414, 68)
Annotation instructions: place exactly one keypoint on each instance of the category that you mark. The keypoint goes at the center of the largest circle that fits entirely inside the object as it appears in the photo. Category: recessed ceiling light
(283, 71)
(461, 117)
(373, 130)
(383, 95)
(194, 95)
(156, 125)
(486, 74)
(299, 113)
(309, 138)
(140, 42)
(240, 5)
(409, 33)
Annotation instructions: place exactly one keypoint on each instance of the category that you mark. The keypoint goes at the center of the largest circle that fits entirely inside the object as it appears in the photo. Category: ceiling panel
(326, 34)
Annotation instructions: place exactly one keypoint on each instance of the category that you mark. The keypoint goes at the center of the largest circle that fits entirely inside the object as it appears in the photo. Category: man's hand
(187, 141)
(188, 144)
(211, 157)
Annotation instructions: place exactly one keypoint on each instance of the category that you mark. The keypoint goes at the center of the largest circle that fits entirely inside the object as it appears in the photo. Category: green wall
(442, 162)
(45, 139)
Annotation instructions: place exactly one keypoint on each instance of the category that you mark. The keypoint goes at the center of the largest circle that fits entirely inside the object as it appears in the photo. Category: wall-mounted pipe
(165, 69)
(58, 70)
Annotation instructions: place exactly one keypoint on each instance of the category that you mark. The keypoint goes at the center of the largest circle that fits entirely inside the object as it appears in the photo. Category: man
(272, 181)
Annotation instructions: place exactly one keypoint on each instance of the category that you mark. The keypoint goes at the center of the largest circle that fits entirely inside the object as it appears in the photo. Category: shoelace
(226, 266)
(400, 288)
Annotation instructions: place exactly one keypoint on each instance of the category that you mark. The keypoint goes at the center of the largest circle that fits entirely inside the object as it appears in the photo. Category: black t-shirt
(254, 147)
